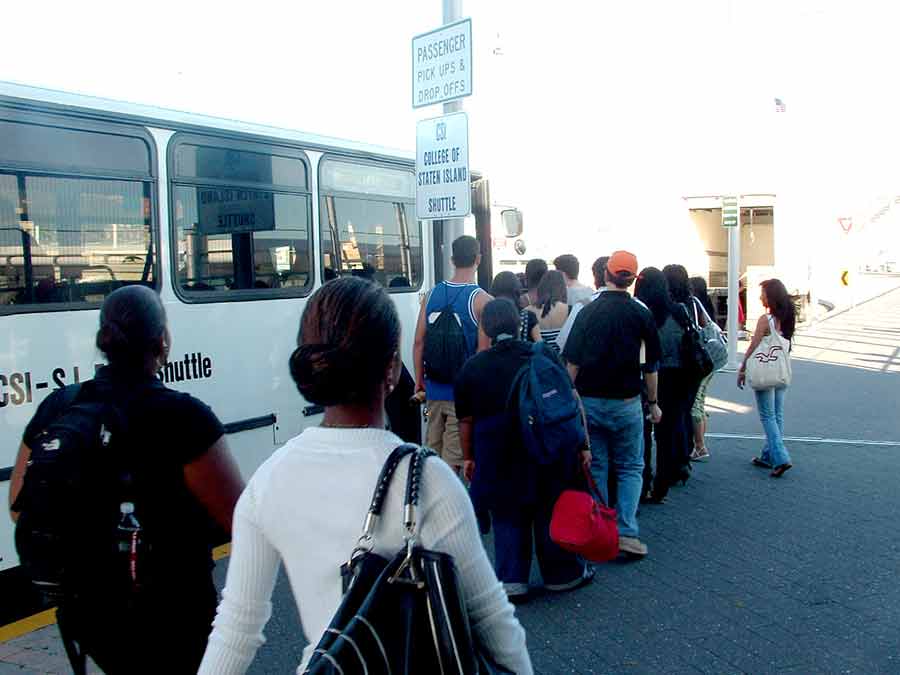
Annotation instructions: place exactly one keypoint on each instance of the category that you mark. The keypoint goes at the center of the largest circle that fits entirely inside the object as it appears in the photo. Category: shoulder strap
(511, 396)
(592, 485)
(387, 472)
(681, 316)
(413, 488)
(456, 297)
(70, 394)
(774, 331)
(705, 313)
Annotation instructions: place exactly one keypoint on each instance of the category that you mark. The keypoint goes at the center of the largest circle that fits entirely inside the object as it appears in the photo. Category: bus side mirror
(512, 222)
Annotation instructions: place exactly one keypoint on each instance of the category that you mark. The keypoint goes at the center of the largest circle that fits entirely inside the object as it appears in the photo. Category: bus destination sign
(442, 167)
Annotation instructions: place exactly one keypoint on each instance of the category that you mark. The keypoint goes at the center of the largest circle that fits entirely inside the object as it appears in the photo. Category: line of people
(626, 357)
(623, 354)
(303, 506)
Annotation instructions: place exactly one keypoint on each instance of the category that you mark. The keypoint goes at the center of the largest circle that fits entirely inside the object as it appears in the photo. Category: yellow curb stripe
(47, 618)
(222, 551)
(31, 623)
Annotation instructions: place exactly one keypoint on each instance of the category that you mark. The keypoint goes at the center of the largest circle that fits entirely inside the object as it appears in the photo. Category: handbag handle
(705, 313)
(387, 472)
(381, 489)
(592, 485)
(687, 323)
(413, 486)
(411, 499)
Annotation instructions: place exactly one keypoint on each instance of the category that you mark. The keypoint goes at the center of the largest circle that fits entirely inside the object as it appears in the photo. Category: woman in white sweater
(306, 504)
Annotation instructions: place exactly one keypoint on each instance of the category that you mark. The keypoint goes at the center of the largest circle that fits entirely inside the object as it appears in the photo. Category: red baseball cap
(622, 263)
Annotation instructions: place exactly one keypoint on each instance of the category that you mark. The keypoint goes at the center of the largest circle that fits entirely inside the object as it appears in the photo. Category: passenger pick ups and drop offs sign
(442, 64)
(442, 167)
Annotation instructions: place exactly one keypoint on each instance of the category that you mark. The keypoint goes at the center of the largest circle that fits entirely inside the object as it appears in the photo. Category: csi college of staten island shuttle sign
(442, 167)
(442, 64)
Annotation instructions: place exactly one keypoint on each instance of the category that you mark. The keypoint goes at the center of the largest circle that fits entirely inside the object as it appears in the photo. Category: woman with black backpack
(149, 458)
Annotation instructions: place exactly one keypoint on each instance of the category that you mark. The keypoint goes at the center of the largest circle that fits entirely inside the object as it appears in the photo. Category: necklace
(346, 426)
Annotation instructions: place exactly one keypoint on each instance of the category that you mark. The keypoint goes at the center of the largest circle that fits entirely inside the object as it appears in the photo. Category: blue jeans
(513, 547)
(770, 403)
(616, 428)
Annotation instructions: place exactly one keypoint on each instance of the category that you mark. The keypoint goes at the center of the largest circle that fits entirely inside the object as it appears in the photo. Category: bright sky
(594, 116)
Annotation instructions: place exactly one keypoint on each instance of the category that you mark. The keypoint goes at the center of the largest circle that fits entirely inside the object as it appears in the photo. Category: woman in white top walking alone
(780, 316)
(304, 506)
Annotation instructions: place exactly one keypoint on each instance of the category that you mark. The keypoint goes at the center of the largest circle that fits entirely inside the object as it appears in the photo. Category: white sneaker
(515, 591)
(632, 546)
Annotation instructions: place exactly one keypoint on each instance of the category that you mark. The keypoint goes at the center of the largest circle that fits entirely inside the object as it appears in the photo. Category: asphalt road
(746, 574)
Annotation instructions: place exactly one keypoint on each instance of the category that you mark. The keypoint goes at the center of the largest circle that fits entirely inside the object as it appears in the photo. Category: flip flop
(761, 463)
(779, 470)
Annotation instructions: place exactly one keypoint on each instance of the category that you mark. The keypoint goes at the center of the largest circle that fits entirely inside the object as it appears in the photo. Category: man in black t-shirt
(613, 342)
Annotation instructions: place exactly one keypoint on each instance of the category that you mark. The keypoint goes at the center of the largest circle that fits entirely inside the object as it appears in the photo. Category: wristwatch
(651, 402)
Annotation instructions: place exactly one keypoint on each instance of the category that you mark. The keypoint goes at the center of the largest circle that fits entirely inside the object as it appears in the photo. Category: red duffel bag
(583, 524)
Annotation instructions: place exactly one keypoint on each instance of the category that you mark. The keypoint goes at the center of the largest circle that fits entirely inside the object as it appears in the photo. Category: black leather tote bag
(403, 616)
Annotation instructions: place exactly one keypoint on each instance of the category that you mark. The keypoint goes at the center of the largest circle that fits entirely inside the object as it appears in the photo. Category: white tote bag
(770, 364)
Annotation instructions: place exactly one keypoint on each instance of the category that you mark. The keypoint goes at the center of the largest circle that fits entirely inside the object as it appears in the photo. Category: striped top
(549, 336)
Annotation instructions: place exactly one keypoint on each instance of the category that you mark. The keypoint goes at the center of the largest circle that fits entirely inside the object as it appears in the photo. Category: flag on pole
(779, 105)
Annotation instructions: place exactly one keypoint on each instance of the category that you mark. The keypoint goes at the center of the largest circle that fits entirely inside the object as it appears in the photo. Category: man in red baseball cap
(604, 356)
(623, 266)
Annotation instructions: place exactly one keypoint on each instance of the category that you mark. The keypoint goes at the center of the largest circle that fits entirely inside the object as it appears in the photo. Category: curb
(832, 315)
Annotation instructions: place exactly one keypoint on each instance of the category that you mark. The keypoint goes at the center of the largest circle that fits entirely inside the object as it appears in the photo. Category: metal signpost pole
(453, 227)
(731, 218)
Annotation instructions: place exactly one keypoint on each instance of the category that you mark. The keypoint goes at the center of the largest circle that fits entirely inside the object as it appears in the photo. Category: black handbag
(403, 616)
(695, 360)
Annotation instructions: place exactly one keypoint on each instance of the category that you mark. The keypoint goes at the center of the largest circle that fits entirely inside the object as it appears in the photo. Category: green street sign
(730, 212)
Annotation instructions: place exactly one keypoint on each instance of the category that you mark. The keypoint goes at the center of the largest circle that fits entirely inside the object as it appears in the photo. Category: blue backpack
(547, 412)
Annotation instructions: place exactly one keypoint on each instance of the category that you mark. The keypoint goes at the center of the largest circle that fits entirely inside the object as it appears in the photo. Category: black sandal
(761, 463)
(779, 470)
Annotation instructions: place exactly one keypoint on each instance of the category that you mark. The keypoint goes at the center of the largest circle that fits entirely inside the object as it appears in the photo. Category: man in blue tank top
(466, 299)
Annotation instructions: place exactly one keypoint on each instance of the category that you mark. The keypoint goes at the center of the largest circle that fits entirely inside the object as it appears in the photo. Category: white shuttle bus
(233, 224)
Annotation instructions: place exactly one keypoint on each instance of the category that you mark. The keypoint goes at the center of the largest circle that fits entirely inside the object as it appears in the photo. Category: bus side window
(368, 226)
(72, 237)
(241, 216)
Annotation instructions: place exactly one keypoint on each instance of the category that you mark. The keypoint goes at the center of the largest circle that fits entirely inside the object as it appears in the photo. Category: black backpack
(67, 533)
(445, 344)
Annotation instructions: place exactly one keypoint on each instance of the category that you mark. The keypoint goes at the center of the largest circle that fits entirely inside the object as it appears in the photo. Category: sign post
(731, 218)
(442, 73)
(442, 168)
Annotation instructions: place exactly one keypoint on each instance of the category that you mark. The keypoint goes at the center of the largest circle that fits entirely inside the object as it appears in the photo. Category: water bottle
(129, 535)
